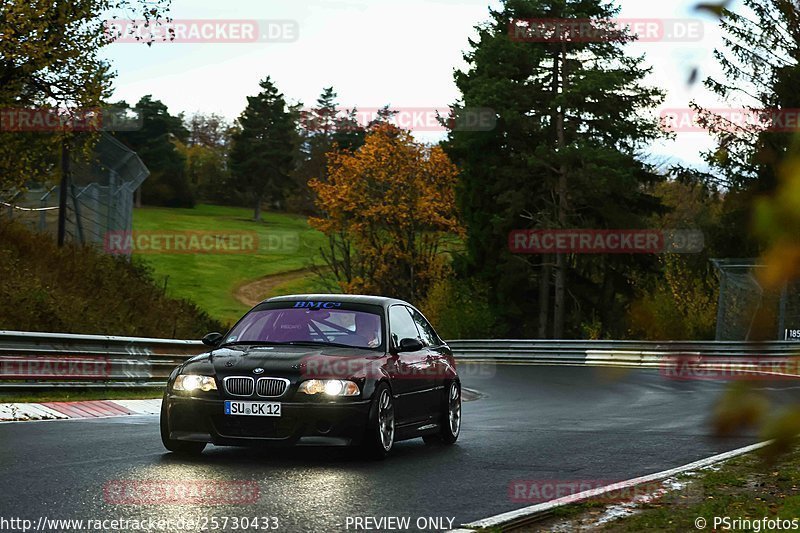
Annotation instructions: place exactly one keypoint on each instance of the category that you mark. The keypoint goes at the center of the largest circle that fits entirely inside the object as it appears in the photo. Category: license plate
(252, 408)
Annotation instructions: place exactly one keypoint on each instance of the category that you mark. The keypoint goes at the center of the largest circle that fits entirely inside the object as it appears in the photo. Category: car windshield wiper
(252, 343)
(292, 343)
(321, 343)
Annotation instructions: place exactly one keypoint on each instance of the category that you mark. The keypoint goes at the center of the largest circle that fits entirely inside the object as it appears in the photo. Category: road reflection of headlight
(191, 382)
(330, 387)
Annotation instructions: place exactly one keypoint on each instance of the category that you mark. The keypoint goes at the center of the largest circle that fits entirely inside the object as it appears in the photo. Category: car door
(436, 348)
(438, 356)
(411, 372)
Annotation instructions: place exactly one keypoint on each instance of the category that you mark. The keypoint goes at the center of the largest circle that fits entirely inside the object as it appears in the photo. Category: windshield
(346, 327)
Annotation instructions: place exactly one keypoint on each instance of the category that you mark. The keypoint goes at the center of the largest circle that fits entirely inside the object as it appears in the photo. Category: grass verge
(746, 487)
(80, 289)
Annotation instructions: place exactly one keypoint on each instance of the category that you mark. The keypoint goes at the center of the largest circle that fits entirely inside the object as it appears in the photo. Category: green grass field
(285, 243)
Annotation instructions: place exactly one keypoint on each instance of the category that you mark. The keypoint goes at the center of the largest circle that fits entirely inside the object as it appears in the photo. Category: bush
(680, 306)
(78, 289)
(459, 309)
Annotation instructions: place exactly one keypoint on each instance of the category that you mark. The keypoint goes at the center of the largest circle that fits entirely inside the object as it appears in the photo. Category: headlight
(191, 382)
(330, 387)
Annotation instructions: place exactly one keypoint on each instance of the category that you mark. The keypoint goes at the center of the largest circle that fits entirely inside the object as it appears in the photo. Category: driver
(368, 326)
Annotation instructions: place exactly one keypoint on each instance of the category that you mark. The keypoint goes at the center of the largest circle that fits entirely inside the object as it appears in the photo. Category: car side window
(401, 324)
(429, 336)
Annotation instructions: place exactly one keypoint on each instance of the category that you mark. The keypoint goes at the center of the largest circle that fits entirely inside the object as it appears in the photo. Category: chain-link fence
(100, 199)
(747, 310)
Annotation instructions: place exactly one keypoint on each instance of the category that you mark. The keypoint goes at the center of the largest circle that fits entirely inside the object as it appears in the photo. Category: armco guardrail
(46, 360)
(634, 353)
(36, 360)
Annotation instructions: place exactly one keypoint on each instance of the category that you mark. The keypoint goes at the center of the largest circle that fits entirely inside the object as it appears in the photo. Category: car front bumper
(308, 423)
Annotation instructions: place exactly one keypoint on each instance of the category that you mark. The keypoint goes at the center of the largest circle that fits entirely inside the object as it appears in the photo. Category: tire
(379, 436)
(179, 447)
(450, 423)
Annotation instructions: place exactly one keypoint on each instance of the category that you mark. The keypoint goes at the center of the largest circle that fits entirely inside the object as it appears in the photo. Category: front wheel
(177, 446)
(450, 422)
(379, 437)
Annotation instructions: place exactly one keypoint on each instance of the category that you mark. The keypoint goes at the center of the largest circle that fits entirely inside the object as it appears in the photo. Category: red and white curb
(19, 412)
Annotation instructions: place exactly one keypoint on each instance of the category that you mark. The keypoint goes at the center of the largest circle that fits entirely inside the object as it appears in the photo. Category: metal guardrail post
(43, 213)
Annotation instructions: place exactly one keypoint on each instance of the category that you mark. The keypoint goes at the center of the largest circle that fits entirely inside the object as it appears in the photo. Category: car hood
(289, 362)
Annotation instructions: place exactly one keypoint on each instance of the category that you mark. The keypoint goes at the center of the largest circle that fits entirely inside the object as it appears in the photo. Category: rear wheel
(450, 422)
(379, 438)
(177, 446)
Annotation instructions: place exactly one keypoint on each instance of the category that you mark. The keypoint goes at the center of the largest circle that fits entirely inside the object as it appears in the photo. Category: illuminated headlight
(330, 387)
(191, 382)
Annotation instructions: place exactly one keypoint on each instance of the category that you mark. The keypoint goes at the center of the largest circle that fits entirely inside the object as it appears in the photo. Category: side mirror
(410, 345)
(212, 339)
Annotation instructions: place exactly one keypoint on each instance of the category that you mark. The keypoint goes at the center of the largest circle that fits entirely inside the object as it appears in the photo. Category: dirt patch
(259, 290)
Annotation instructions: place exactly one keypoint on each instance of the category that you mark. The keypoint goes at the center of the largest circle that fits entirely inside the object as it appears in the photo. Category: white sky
(373, 52)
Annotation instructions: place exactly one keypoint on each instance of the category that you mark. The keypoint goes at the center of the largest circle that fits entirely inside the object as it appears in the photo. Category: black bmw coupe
(317, 369)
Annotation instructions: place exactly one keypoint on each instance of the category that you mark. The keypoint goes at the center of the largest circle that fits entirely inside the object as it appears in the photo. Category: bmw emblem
(229, 363)
(258, 371)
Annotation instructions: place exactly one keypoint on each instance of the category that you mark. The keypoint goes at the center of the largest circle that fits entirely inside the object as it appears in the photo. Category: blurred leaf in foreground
(784, 429)
(739, 408)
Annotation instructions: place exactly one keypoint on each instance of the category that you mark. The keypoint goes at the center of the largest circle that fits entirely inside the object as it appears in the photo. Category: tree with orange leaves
(387, 207)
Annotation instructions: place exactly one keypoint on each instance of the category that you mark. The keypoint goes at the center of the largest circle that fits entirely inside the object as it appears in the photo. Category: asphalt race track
(533, 423)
